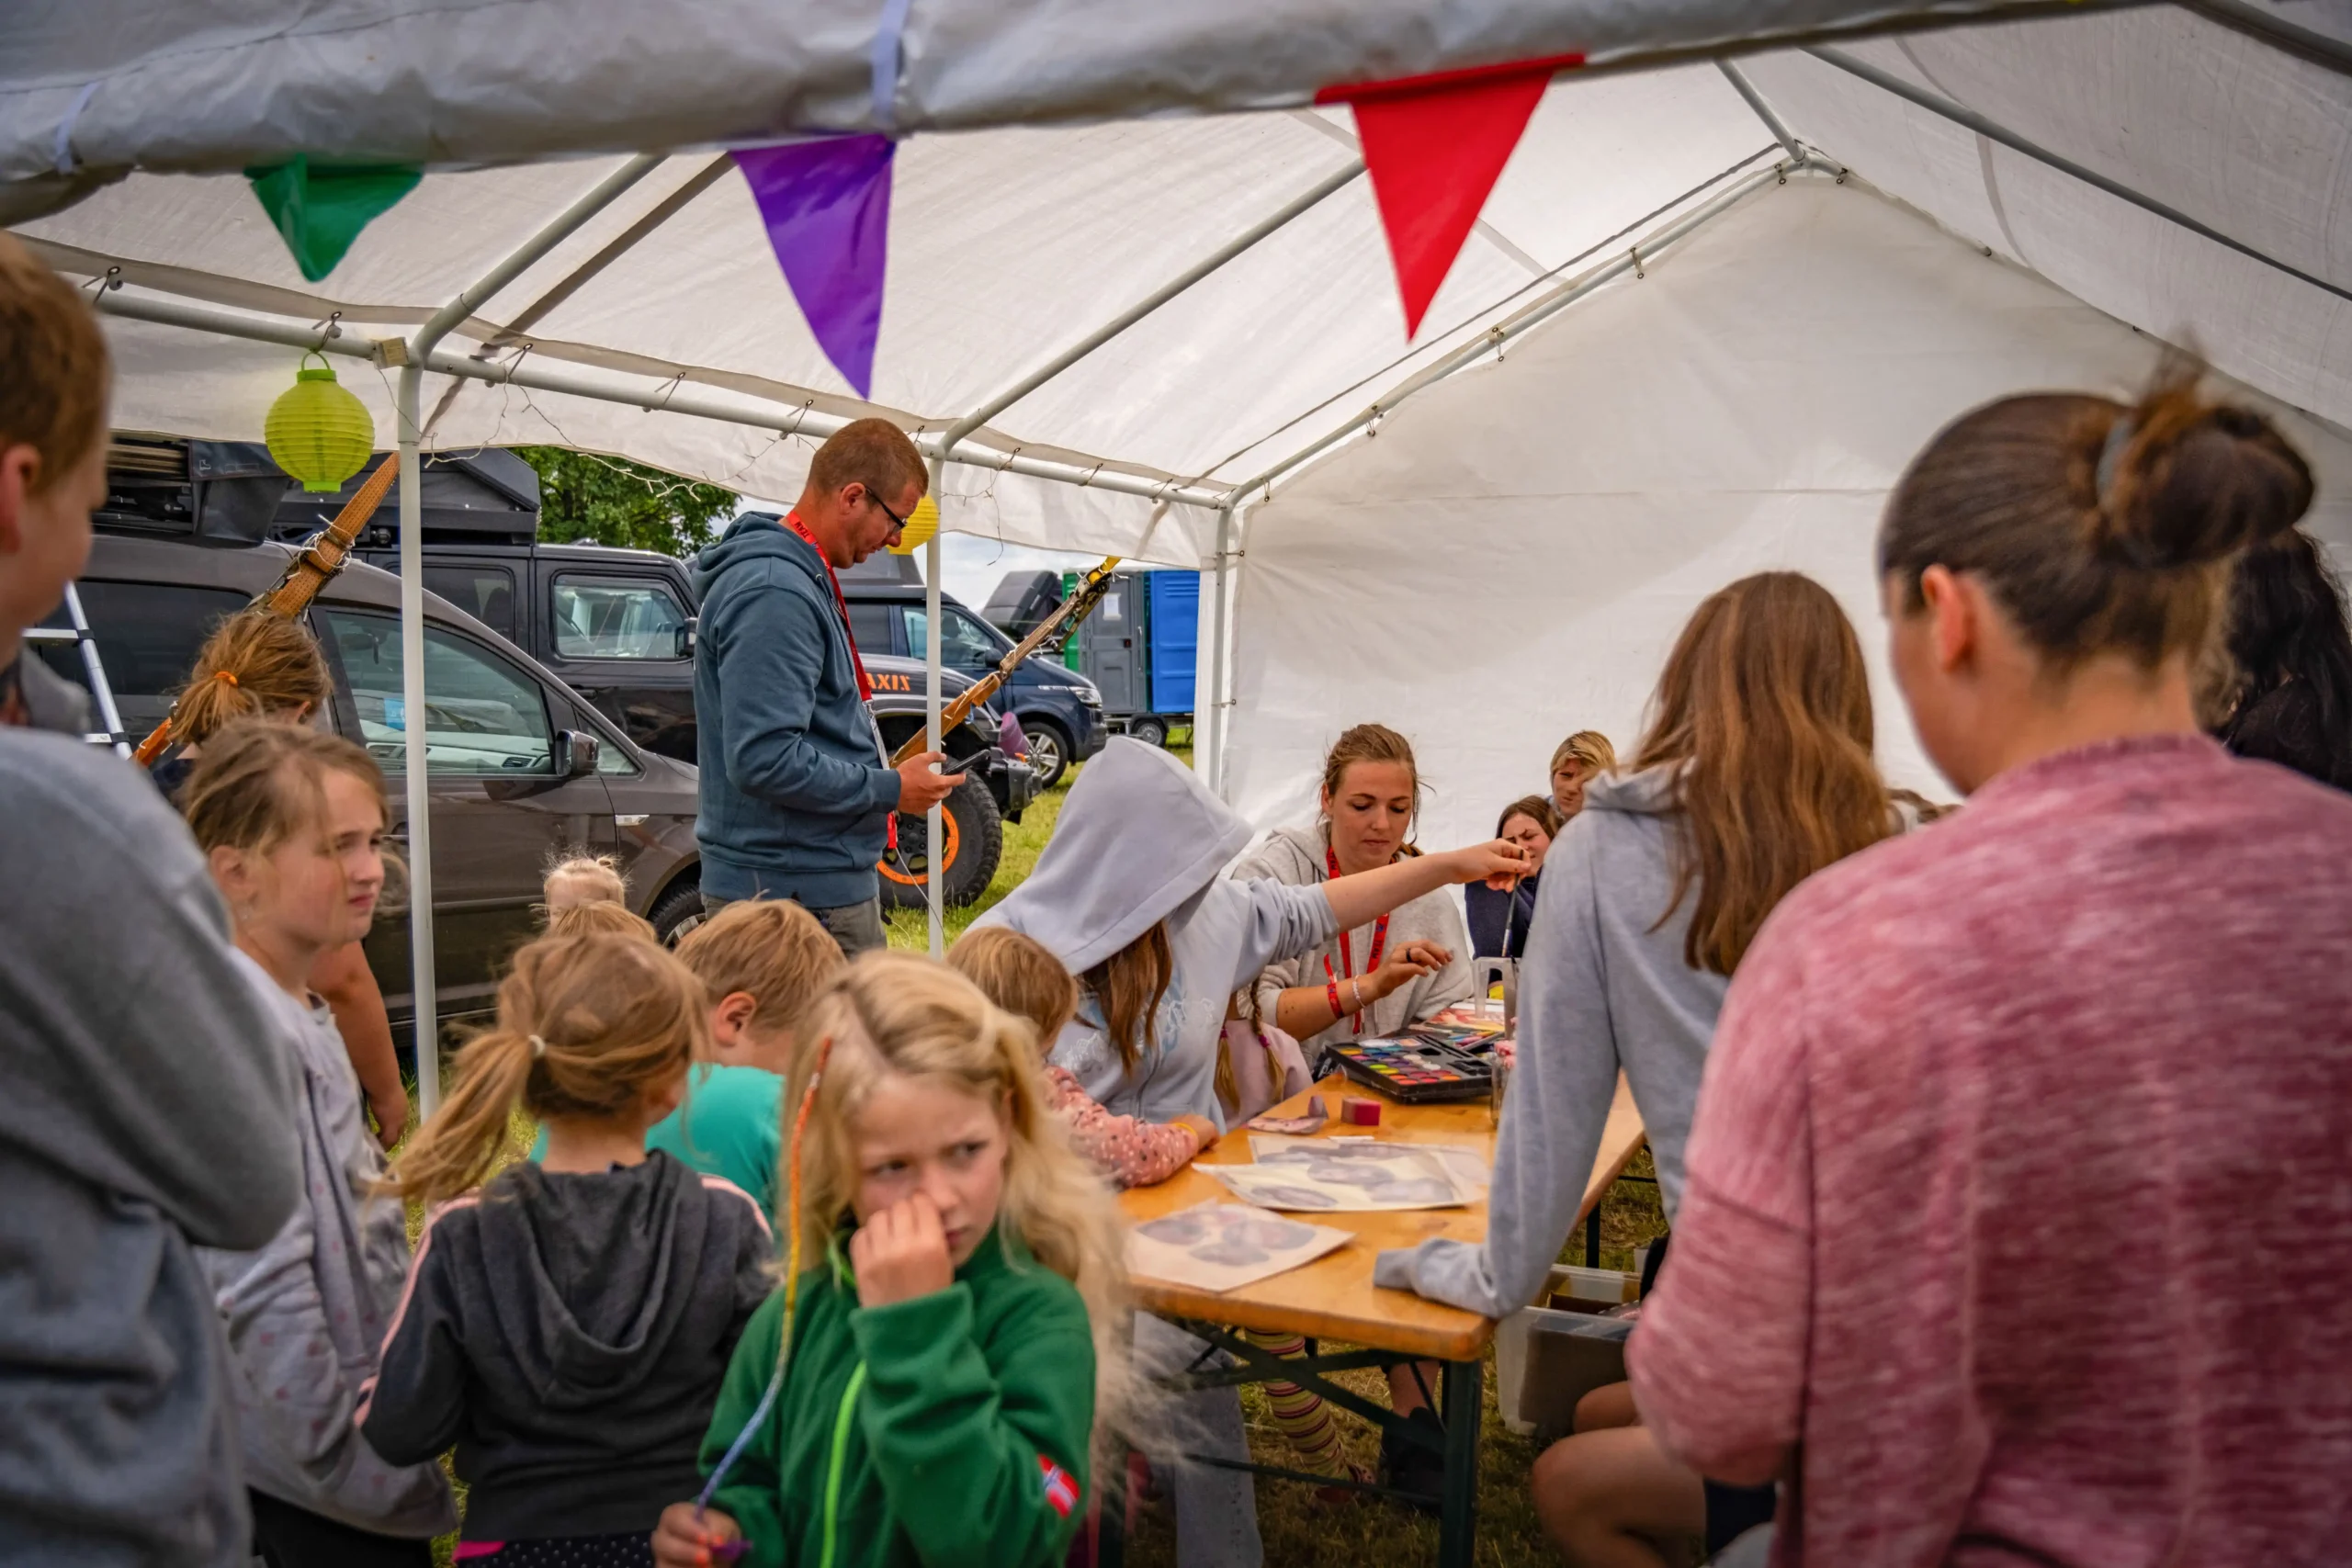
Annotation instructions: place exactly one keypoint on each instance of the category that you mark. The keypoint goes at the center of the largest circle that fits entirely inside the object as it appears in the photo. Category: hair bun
(2195, 482)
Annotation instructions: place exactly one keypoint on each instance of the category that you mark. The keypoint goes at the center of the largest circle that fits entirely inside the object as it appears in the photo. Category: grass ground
(1300, 1532)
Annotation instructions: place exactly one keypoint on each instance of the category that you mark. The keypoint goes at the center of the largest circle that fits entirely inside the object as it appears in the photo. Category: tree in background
(585, 499)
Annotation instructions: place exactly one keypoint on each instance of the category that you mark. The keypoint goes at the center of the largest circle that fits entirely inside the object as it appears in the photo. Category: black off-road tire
(975, 835)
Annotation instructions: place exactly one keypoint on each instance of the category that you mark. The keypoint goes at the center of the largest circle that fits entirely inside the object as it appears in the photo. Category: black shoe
(1411, 1469)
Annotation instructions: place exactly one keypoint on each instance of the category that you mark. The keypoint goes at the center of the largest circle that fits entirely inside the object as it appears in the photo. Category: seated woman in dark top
(1498, 920)
(2294, 654)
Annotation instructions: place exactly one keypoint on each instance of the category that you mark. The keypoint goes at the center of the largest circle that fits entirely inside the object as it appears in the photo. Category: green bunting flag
(320, 210)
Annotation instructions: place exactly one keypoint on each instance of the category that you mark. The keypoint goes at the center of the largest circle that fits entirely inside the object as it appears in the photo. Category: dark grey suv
(511, 788)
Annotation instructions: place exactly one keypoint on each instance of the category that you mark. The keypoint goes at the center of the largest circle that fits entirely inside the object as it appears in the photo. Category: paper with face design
(1472, 1168)
(1333, 1175)
(1222, 1247)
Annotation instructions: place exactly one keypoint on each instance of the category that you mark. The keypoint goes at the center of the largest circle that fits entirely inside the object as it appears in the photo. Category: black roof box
(214, 492)
(1021, 601)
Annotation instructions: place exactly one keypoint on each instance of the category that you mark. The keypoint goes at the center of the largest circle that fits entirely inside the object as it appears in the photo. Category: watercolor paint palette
(1418, 1072)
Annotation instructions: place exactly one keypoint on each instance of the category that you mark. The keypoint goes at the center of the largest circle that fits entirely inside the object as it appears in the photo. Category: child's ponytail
(587, 1027)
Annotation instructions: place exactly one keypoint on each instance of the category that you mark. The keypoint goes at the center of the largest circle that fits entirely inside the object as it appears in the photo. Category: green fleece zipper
(841, 1452)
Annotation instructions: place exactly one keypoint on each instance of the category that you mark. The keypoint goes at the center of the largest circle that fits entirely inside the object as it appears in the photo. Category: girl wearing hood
(1129, 894)
(1756, 773)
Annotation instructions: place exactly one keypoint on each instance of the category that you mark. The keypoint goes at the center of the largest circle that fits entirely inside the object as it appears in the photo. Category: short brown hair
(600, 915)
(1016, 973)
(54, 369)
(871, 452)
(1536, 809)
(258, 783)
(770, 949)
(255, 665)
(2096, 527)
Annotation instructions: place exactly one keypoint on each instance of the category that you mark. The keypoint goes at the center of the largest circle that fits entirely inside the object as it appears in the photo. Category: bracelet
(1355, 988)
(1331, 993)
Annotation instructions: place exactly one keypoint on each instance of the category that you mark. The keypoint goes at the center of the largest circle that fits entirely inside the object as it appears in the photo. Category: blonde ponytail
(588, 1026)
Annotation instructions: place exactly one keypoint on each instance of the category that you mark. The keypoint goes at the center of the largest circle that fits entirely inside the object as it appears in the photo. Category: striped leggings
(1301, 1417)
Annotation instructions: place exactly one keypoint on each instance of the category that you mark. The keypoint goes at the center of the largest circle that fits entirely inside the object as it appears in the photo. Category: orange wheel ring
(949, 831)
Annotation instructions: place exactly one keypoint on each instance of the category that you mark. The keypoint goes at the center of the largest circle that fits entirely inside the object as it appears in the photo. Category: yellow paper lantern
(921, 524)
(318, 430)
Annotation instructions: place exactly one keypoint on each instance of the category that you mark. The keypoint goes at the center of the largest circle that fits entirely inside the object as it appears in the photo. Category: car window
(870, 624)
(147, 635)
(967, 646)
(483, 712)
(612, 618)
(485, 592)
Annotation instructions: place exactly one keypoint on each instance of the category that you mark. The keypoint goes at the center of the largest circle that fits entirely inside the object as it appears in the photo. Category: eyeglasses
(896, 521)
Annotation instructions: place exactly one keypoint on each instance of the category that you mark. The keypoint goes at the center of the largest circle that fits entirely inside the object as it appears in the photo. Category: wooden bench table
(1334, 1298)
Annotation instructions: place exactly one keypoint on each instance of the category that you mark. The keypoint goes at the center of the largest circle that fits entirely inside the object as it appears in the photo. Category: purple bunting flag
(826, 207)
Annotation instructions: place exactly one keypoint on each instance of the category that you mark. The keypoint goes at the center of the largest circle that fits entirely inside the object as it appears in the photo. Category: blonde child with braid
(567, 1322)
(925, 1388)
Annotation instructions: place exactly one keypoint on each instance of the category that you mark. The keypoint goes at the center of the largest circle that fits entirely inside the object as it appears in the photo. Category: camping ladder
(79, 634)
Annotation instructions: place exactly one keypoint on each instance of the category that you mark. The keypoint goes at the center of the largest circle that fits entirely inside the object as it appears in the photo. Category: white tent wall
(2245, 139)
(1512, 555)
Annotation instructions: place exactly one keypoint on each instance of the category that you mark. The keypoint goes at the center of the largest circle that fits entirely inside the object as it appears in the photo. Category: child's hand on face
(689, 1537)
(902, 1253)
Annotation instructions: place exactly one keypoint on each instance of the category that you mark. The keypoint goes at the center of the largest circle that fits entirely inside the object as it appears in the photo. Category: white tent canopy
(1512, 556)
(2184, 170)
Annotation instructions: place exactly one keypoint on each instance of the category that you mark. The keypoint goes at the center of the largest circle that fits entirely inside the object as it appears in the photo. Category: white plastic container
(1597, 1285)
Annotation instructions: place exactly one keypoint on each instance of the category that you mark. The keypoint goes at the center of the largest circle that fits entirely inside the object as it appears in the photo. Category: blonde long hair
(891, 1012)
(1765, 707)
(587, 1027)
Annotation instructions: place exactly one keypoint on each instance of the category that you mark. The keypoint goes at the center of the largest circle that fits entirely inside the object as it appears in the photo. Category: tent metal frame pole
(2317, 48)
(934, 864)
(1220, 628)
(1796, 150)
(1637, 257)
(668, 396)
(418, 352)
(1247, 239)
(1993, 130)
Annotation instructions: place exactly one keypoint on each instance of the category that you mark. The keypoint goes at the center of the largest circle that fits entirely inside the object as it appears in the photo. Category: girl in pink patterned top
(2016, 1216)
(1018, 975)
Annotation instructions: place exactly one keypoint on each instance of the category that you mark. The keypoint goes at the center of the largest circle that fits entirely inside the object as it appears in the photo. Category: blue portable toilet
(1141, 649)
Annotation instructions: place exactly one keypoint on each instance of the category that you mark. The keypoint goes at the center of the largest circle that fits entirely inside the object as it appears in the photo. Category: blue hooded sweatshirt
(795, 795)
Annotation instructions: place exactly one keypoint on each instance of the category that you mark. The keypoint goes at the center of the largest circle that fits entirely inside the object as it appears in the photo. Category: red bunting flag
(1434, 146)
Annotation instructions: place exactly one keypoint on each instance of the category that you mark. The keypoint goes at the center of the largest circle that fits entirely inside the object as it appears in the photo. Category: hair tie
(538, 1047)
(224, 675)
(2119, 436)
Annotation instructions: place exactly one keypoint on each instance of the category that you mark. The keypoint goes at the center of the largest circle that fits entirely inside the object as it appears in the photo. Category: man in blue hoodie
(796, 790)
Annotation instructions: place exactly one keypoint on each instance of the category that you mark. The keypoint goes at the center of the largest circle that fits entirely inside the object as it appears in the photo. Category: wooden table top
(1333, 1297)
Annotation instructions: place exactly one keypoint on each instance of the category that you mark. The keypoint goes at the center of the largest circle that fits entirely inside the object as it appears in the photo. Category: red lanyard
(1347, 947)
(864, 686)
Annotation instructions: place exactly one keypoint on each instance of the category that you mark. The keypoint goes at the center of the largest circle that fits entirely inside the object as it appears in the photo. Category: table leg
(1464, 1385)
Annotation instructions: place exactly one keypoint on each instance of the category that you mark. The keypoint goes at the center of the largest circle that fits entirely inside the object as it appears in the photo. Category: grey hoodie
(568, 1332)
(306, 1315)
(1603, 985)
(1141, 840)
(143, 1109)
(1297, 856)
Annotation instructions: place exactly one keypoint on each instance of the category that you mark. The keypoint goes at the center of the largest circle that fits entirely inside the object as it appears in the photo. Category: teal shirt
(731, 1125)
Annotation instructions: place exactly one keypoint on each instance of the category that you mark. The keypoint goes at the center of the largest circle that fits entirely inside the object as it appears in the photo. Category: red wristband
(1332, 991)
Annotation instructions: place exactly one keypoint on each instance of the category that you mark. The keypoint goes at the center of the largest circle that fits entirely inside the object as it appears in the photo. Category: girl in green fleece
(955, 1333)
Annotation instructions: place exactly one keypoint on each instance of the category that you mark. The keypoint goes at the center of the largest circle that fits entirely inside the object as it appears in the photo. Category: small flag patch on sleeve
(1061, 1488)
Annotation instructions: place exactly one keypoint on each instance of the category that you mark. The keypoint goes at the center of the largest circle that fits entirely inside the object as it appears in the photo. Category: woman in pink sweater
(2018, 1216)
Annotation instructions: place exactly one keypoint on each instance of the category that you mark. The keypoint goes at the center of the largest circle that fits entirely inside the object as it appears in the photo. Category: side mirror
(576, 752)
(686, 635)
